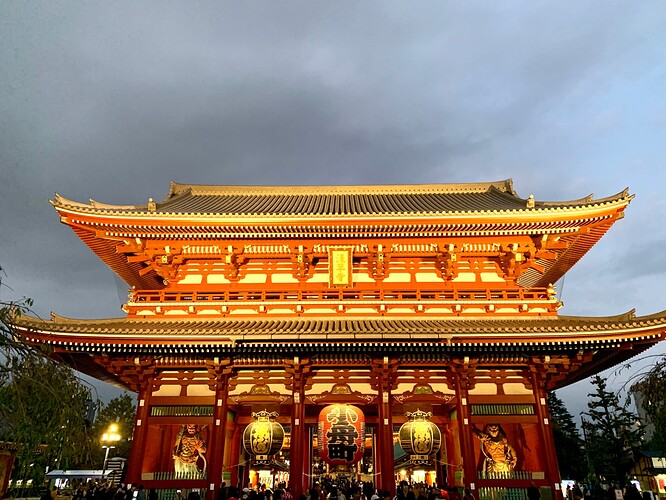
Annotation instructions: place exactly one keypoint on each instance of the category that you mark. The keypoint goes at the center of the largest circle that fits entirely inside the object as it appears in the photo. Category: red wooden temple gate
(393, 299)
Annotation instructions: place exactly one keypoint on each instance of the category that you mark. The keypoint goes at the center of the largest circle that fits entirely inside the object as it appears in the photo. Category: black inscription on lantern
(341, 435)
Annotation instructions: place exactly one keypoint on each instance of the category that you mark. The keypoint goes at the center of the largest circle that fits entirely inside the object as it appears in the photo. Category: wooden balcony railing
(382, 301)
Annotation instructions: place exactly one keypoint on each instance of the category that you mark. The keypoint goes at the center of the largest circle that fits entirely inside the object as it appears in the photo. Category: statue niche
(188, 449)
(500, 457)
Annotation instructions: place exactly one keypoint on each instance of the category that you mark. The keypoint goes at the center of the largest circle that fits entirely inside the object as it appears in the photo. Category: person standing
(222, 494)
(533, 493)
(405, 492)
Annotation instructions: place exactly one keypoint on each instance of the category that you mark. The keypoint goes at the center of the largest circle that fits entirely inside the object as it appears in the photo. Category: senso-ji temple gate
(287, 333)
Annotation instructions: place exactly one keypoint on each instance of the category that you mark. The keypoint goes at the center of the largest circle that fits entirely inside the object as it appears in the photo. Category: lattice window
(181, 411)
(507, 409)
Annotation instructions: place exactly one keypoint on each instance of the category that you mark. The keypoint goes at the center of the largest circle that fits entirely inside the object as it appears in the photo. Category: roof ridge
(57, 318)
(183, 193)
(589, 199)
(630, 315)
(176, 189)
(97, 204)
(61, 201)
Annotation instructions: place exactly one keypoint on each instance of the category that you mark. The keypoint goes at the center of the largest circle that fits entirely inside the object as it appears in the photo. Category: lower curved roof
(602, 341)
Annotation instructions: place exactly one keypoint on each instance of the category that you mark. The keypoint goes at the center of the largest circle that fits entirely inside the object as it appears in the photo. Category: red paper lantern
(341, 434)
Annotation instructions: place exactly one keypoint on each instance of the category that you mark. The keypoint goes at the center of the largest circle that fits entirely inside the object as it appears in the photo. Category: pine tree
(121, 411)
(568, 443)
(611, 433)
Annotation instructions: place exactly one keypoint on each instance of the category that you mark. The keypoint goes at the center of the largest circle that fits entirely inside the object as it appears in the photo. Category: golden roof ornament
(530, 201)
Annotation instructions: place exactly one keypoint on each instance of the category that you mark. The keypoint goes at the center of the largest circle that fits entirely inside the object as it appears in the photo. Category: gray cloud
(112, 101)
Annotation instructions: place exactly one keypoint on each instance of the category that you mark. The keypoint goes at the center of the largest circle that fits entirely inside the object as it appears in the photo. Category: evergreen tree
(121, 411)
(568, 443)
(611, 433)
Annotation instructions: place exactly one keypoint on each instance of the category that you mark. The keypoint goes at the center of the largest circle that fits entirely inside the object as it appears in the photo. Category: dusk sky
(112, 100)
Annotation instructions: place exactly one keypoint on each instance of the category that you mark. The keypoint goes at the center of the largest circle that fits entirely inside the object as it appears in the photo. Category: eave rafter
(300, 373)
(552, 371)
(443, 225)
(135, 373)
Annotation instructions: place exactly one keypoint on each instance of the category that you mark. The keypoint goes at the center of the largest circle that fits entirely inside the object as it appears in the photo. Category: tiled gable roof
(331, 201)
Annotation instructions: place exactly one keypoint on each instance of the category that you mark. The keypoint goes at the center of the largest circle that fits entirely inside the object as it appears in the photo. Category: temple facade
(373, 333)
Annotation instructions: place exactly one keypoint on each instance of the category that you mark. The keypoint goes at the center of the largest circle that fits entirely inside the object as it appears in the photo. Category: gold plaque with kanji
(340, 266)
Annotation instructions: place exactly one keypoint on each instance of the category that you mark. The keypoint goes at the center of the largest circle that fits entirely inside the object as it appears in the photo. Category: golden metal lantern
(419, 437)
(264, 437)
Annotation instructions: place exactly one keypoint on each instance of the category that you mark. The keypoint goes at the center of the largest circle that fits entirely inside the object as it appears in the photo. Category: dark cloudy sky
(112, 100)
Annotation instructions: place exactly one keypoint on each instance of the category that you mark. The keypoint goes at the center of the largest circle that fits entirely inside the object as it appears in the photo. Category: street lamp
(110, 437)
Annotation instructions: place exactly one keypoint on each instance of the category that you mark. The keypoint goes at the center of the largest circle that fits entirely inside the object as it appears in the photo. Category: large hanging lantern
(341, 434)
(264, 437)
(419, 437)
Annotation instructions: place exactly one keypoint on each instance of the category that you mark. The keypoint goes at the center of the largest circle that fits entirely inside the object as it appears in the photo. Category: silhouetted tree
(568, 444)
(611, 433)
(121, 411)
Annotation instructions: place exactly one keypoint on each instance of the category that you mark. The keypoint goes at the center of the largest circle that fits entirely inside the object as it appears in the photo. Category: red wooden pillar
(299, 462)
(218, 435)
(307, 458)
(384, 376)
(386, 475)
(234, 466)
(465, 430)
(441, 477)
(541, 405)
(134, 467)
(449, 454)
(376, 454)
(298, 469)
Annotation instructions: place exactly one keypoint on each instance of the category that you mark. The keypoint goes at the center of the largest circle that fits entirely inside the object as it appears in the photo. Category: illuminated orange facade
(435, 299)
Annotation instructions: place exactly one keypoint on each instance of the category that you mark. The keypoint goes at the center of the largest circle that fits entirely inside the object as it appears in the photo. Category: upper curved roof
(315, 201)
(198, 212)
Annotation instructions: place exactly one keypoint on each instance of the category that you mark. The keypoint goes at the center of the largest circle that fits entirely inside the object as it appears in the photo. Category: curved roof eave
(457, 329)
(600, 343)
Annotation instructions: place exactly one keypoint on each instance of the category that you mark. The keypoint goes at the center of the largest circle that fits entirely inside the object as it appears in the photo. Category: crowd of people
(103, 490)
(342, 489)
(334, 489)
(607, 492)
